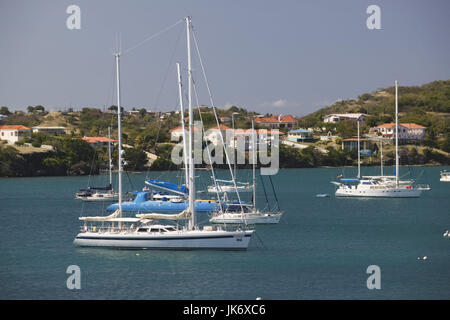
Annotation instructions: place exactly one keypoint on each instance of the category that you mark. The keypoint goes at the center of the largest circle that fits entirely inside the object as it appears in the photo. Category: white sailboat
(227, 186)
(380, 186)
(149, 234)
(94, 194)
(445, 176)
(247, 215)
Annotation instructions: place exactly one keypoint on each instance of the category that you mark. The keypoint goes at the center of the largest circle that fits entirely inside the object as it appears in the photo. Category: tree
(4, 111)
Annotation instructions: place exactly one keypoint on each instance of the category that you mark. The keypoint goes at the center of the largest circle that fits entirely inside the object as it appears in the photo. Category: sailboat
(148, 234)
(379, 186)
(93, 193)
(247, 215)
(445, 176)
(224, 186)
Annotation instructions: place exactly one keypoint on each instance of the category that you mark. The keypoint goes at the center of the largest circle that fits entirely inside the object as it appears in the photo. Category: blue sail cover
(169, 186)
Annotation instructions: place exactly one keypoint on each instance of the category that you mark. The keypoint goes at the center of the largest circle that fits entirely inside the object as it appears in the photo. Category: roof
(406, 125)
(180, 128)
(53, 128)
(348, 115)
(276, 119)
(222, 127)
(14, 127)
(300, 131)
(97, 139)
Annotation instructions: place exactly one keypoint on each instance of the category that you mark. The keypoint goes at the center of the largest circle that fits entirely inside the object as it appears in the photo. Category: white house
(406, 131)
(300, 135)
(54, 131)
(336, 117)
(14, 133)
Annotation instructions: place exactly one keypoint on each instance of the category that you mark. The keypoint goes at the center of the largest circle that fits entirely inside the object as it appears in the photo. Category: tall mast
(254, 165)
(119, 132)
(396, 134)
(109, 157)
(381, 157)
(185, 152)
(191, 131)
(359, 153)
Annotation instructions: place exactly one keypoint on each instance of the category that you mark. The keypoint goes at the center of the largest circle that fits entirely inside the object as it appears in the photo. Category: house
(99, 141)
(242, 138)
(277, 121)
(176, 134)
(352, 144)
(14, 133)
(54, 131)
(213, 134)
(406, 131)
(3, 117)
(336, 117)
(224, 119)
(300, 135)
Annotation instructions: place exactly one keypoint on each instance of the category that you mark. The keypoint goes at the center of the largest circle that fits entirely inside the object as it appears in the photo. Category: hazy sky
(268, 56)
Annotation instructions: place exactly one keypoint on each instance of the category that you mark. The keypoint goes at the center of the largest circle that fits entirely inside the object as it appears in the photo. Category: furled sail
(185, 214)
(168, 186)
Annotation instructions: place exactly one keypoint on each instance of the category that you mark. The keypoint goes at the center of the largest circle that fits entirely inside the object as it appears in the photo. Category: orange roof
(14, 127)
(406, 125)
(222, 127)
(179, 128)
(97, 139)
(276, 119)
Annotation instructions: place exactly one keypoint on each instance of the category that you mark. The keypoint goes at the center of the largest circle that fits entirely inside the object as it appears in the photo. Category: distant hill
(428, 105)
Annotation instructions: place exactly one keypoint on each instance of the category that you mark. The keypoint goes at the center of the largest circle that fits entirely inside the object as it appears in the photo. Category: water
(320, 250)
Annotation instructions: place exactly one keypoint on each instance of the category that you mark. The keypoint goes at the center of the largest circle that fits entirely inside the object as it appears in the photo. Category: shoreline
(290, 168)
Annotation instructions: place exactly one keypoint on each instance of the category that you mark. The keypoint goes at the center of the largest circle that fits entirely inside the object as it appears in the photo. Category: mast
(234, 144)
(185, 153)
(254, 165)
(381, 157)
(191, 131)
(119, 133)
(359, 153)
(109, 157)
(396, 134)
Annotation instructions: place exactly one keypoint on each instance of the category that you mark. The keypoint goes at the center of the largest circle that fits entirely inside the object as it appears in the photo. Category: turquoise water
(320, 250)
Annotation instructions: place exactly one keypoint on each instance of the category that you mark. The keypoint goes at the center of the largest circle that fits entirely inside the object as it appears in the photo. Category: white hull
(249, 218)
(178, 240)
(100, 197)
(222, 189)
(378, 193)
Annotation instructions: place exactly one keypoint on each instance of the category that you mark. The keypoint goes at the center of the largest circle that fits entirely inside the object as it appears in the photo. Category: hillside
(428, 105)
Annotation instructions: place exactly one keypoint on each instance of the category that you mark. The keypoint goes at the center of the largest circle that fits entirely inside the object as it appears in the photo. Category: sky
(279, 57)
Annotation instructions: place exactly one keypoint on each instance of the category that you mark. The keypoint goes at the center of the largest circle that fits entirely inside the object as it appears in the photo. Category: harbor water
(321, 249)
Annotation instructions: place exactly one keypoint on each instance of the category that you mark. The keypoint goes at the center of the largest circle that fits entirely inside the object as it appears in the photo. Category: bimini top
(169, 186)
(349, 180)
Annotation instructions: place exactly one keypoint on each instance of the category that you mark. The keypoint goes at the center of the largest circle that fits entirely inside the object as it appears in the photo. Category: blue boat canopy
(169, 186)
(350, 180)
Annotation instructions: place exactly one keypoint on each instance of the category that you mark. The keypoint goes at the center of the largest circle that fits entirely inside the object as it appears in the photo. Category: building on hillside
(14, 133)
(54, 131)
(213, 134)
(300, 135)
(337, 117)
(99, 141)
(406, 131)
(242, 138)
(225, 119)
(277, 121)
(352, 144)
(3, 117)
(176, 134)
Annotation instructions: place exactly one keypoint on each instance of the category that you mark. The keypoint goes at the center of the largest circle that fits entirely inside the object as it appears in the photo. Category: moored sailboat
(148, 234)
